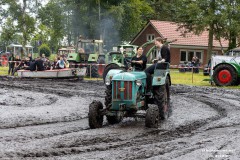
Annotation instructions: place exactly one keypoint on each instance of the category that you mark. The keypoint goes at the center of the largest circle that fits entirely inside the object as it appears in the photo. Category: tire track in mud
(129, 147)
(65, 88)
(111, 143)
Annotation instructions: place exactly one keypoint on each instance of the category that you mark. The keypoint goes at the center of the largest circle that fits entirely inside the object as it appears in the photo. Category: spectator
(60, 63)
(39, 64)
(32, 66)
(30, 57)
(43, 57)
(47, 64)
(195, 64)
(26, 64)
(11, 64)
(54, 64)
(18, 64)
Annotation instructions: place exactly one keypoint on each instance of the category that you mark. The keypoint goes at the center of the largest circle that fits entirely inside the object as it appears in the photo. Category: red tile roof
(169, 30)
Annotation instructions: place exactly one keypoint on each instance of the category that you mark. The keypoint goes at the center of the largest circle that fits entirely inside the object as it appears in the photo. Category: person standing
(17, 64)
(11, 64)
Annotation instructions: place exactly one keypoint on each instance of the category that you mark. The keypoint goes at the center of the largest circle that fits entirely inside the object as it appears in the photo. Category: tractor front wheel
(152, 117)
(95, 118)
(225, 75)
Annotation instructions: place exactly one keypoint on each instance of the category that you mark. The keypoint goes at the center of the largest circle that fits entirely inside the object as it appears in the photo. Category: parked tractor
(225, 70)
(126, 95)
(119, 59)
(88, 53)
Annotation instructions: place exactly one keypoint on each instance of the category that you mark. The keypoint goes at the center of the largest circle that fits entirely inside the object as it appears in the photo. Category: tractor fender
(234, 65)
(160, 79)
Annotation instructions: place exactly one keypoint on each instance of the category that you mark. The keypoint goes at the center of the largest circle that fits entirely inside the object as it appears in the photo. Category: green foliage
(52, 57)
(52, 24)
(8, 31)
(136, 15)
(24, 21)
(44, 49)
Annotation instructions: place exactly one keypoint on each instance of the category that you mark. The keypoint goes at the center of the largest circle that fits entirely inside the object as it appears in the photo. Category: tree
(44, 49)
(136, 15)
(52, 21)
(8, 31)
(21, 12)
(220, 18)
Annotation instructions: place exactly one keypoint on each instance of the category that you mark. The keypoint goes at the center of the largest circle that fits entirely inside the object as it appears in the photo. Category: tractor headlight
(107, 81)
(138, 82)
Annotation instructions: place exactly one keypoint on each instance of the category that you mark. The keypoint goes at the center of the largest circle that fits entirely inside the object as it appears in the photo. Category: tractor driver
(163, 57)
(139, 61)
(81, 50)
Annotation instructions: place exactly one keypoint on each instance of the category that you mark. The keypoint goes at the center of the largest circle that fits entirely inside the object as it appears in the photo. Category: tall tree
(220, 18)
(21, 11)
(51, 16)
(136, 15)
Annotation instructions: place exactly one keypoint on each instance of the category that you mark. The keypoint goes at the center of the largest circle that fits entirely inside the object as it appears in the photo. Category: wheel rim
(101, 69)
(224, 76)
(5, 60)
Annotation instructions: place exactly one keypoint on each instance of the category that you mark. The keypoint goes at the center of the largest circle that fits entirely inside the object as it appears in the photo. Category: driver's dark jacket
(138, 66)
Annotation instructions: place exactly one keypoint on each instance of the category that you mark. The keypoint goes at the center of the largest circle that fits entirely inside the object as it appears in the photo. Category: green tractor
(126, 95)
(120, 58)
(89, 53)
(225, 70)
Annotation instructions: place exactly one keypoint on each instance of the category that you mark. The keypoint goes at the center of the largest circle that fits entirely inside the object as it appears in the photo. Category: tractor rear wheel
(108, 68)
(95, 118)
(97, 69)
(162, 99)
(152, 117)
(225, 75)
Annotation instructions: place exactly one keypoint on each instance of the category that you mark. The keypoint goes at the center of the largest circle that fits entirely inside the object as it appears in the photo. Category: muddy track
(57, 127)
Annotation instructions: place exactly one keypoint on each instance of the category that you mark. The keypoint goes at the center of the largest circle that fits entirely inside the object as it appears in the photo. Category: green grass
(189, 78)
(3, 71)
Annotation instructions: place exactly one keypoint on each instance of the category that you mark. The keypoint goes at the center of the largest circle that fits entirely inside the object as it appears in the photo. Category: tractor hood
(129, 76)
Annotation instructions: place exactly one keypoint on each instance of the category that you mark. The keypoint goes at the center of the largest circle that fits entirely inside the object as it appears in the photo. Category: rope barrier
(94, 64)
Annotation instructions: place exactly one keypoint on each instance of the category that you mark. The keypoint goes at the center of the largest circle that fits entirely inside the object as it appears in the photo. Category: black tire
(108, 101)
(97, 70)
(95, 119)
(162, 99)
(108, 68)
(225, 75)
(152, 117)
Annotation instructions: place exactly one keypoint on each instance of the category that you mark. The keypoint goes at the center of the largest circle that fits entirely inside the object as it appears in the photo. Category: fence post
(90, 71)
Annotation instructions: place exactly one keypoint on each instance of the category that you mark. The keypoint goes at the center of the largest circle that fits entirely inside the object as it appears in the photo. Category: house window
(183, 56)
(187, 55)
(150, 37)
